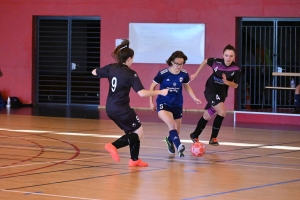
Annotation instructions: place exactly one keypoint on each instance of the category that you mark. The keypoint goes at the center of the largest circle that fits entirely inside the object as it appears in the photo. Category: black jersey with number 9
(121, 79)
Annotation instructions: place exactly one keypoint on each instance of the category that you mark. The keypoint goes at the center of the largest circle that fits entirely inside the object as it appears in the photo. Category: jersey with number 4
(174, 83)
(215, 82)
(121, 79)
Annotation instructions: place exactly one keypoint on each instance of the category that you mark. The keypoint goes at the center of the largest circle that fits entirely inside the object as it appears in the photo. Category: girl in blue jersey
(121, 79)
(169, 107)
(225, 74)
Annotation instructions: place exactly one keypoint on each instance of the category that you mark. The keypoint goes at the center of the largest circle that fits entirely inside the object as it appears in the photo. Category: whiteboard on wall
(155, 42)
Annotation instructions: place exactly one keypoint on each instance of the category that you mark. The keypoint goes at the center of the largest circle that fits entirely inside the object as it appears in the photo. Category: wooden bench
(278, 88)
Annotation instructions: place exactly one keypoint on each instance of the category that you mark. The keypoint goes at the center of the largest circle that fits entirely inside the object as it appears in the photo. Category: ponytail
(122, 52)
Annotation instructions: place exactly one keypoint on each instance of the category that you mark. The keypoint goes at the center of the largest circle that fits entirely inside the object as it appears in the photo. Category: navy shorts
(128, 122)
(176, 111)
(213, 99)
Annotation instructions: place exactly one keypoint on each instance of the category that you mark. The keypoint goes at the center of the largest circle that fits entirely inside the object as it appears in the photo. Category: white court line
(44, 194)
(184, 141)
(263, 146)
(62, 133)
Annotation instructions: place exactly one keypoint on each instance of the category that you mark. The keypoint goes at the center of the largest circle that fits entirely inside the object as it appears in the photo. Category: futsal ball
(197, 149)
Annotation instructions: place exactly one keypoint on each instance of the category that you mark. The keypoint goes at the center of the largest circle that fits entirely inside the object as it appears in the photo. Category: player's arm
(152, 88)
(229, 83)
(101, 72)
(94, 72)
(190, 91)
(139, 88)
(150, 93)
(193, 76)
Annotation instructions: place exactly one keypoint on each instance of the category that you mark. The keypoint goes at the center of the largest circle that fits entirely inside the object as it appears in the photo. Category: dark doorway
(266, 45)
(67, 50)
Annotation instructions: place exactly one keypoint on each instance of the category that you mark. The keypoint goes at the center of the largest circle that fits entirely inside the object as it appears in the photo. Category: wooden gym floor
(50, 157)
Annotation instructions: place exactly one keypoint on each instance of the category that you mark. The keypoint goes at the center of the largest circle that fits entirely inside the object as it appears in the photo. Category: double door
(67, 50)
(266, 46)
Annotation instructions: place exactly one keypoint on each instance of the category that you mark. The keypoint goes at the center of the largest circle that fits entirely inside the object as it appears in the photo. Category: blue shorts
(176, 111)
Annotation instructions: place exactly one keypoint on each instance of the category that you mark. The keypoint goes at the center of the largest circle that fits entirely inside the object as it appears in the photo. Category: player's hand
(224, 77)
(152, 107)
(193, 76)
(164, 92)
(198, 101)
(94, 72)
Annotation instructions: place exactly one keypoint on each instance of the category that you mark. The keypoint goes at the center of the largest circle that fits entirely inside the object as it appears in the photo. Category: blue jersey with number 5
(174, 83)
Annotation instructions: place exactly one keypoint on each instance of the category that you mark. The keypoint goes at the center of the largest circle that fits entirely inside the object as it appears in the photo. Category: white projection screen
(155, 42)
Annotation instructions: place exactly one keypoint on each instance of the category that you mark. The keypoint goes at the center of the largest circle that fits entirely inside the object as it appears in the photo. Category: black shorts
(176, 111)
(128, 122)
(213, 98)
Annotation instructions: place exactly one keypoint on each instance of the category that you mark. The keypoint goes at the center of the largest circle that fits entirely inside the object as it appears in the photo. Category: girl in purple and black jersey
(121, 79)
(169, 108)
(225, 74)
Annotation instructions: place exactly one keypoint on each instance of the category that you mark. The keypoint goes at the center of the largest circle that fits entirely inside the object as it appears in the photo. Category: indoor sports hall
(53, 135)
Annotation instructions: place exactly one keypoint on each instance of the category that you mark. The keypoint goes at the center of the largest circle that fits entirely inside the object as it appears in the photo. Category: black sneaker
(180, 150)
(170, 146)
(214, 142)
(193, 138)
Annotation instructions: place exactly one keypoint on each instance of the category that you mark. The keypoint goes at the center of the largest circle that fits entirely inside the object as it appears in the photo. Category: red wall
(219, 16)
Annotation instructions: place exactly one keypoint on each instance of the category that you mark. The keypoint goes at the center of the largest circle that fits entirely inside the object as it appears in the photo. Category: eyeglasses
(178, 64)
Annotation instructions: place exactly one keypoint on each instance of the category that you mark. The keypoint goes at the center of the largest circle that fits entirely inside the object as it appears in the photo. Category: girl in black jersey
(225, 74)
(121, 79)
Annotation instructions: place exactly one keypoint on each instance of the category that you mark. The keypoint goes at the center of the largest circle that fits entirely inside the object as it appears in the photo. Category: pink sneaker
(113, 151)
(138, 163)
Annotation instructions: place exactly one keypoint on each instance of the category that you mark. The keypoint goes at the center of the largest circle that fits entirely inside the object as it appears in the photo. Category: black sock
(131, 139)
(200, 126)
(134, 146)
(121, 142)
(216, 126)
(125, 140)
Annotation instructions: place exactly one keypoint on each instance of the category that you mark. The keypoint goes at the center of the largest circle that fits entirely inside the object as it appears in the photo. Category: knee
(222, 113)
(171, 125)
(140, 132)
(206, 116)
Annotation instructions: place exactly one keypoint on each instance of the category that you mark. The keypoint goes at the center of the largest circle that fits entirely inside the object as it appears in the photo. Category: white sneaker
(180, 150)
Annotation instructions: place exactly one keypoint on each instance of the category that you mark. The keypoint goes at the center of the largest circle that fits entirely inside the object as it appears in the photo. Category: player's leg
(134, 144)
(119, 143)
(201, 124)
(129, 122)
(208, 113)
(167, 111)
(221, 113)
(178, 124)
(167, 118)
(177, 113)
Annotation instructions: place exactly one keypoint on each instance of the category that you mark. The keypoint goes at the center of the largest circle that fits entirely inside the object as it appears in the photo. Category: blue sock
(174, 137)
(297, 100)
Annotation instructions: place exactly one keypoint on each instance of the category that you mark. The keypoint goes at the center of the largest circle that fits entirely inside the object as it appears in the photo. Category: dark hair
(122, 52)
(229, 47)
(176, 54)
